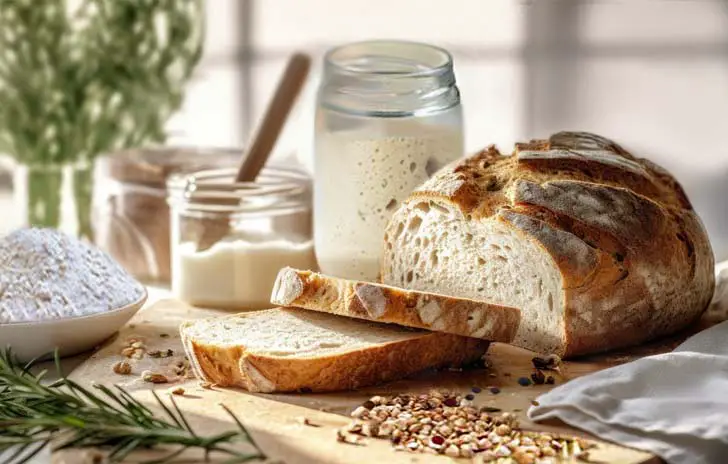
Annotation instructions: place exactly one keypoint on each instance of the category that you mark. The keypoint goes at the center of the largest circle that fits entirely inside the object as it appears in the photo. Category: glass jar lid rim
(273, 180)
(444, 65)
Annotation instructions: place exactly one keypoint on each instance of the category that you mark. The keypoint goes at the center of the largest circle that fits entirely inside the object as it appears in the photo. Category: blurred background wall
(652, 74)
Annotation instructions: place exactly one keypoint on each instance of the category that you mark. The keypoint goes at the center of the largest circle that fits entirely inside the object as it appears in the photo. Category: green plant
(64, 415)
(78, 83)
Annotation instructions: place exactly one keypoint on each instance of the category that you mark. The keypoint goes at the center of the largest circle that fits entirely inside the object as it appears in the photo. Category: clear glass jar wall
(388, 117)
(229, 239)
(130, 214)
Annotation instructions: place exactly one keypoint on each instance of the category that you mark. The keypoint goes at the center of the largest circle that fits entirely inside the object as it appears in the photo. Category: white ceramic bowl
(71, 335)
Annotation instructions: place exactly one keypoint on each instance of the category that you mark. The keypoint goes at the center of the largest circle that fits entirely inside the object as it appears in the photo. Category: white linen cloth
(674, 405)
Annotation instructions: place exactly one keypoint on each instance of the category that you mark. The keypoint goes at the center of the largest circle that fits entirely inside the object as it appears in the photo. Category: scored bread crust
(235, 366)
(382, 303)
(633, 257)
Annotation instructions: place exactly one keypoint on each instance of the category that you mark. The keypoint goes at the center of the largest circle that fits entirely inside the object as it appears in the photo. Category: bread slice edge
(235, 366)
(383, 303)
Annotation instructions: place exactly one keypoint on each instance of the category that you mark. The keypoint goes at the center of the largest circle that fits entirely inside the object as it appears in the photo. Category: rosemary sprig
(64, 414)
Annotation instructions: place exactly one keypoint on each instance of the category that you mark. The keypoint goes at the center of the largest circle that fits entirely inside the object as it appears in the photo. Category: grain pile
(442, 423)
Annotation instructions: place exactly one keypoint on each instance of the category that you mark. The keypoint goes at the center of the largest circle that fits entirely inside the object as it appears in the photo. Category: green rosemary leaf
(124, 449)
(21, 448)
(240, 425)
(167, 410)
(70, 416)
(166, 458)
(74, 422)
(91, 397)
(34, 450)
(179, 413)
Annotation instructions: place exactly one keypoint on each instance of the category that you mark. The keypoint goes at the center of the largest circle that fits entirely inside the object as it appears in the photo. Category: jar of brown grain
(131, 215)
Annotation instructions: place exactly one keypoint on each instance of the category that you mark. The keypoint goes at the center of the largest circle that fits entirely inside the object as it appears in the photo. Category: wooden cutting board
(276, 420)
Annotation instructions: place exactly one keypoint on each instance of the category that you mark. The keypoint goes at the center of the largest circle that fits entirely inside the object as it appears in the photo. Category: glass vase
(56, 196)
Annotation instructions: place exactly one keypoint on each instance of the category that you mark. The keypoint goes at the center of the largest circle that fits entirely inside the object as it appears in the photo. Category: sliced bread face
(598, 248)
(284, 350)
(382, 303)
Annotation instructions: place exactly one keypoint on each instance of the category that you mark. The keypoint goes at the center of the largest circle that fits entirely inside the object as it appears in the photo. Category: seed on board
(535, 403)
(470, 397)
(538, 378)
(494, 390)
(451, 402)
(370, 428)
(178, 391)
(122, 368)
(502, 430)
(436, 441)
(484, 444)
(487, 456)
(476, 389)
(466, 450)
(490, 409)
(360, 412)
(524, 381)
(523, 457)
(550, 362)
(502, 451)
(161, 353)
(164, 335)
(452, 451)
(350, 439)
(307, 421)
(154, 377)
(128, 352)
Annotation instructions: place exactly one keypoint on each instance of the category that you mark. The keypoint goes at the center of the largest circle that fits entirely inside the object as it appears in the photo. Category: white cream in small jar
(388, 118)
(229, 240)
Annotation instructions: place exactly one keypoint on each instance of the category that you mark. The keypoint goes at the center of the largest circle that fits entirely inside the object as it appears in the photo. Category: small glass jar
(230, 239)
(388, 117)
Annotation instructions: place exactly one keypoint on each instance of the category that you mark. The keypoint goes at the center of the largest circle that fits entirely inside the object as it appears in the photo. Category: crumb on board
(121, 368)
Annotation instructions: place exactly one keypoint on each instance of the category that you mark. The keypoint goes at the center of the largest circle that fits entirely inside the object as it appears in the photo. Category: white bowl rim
(61, 320)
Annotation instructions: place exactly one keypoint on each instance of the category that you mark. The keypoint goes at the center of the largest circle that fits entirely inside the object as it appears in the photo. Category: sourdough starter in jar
(365, 179)
(388, 118)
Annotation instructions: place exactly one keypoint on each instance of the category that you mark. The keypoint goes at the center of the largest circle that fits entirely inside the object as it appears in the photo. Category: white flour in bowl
(46, 275)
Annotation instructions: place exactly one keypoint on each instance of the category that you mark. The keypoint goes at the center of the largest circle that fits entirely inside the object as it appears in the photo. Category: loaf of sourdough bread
(283, 350)
(598, 248)
(382, 303)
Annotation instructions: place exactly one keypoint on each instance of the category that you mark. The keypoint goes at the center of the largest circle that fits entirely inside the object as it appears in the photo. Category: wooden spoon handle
(275, 117)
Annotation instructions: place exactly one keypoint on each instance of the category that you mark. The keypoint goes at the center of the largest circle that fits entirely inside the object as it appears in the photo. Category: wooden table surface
(275, 419)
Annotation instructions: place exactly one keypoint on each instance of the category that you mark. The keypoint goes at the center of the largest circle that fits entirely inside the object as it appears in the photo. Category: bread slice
(382, 303)
(283, 350)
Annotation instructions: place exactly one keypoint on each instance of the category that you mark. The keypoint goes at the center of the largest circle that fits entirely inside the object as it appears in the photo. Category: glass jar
(230, 239)
(388, 117)
(55, 195)
(130, 212)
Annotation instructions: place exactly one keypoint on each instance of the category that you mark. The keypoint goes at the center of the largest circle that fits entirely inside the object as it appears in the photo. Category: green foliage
(106, 76)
